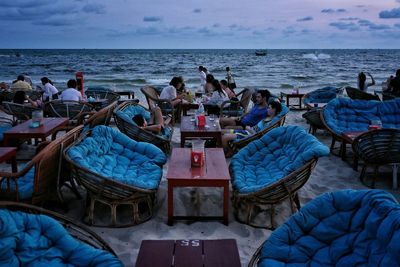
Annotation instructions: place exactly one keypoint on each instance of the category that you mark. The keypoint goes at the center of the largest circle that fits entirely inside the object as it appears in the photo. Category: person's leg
(224, 122)
(225, 140)
(158, 117)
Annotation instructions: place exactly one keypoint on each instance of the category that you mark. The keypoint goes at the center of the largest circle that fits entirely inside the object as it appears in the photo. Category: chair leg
(333, 144)
(374, 176)
(272, 216)
(363, 170)
(297, 201)
(113, 214)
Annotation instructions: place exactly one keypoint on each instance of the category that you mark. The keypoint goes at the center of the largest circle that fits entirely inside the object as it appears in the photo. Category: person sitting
(50, 92)
(71, 94)
(21, 85)
(21, 96)
(395, 84)
(256, 114)
(362, 81)
(228, 91)
(208, 88)
(170, 92)
(219, 95)
(236, 134)
(156, 123)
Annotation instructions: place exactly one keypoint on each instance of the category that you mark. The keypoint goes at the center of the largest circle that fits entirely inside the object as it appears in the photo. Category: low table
(23, 131)
(288, 96)
(214, 173)
(9, 153)
(185, 253)
(189, 130)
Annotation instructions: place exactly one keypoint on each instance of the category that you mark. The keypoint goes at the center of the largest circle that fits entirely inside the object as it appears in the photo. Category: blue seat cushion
(3, 128)
(272, 157)
(25, 185)
(114, 155)
(343, 228)
(38, 240)
(323, 95)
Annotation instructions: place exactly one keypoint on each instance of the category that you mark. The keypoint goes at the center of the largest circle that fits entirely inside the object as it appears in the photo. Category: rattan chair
(313, 117)
(74, 110)
(5, 124)
(233, 108)
(19, 112)
(377, 148)
(153, 100)
(128, 127)
(357, 94)
(103, 94)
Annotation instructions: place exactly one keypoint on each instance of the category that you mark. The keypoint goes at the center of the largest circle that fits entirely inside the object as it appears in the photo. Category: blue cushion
(270, 158)
(3, 128)
(114, 155)
(25, 185)
(344, 228)
(261, 124)
(323, 95)
(38, 240)
(345, 115)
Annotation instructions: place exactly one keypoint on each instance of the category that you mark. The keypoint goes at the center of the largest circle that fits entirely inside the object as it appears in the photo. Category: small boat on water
(261, 52)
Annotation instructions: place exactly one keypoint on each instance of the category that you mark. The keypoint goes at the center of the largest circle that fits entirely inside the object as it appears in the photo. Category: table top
(215, 167)
(187, 125)
(194, 253)
(350, 136)
(49, 124)
(7, 152)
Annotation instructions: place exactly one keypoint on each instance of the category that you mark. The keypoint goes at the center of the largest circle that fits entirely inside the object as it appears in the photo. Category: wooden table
(129, 94)
(348, 138)
(9, 153)
(189, 106)
(214, 173)
(23, 131)
(188, 253)
(190, 130)
(288, 96)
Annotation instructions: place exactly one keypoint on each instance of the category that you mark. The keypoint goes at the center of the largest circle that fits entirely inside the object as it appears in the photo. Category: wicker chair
(377, 148)
(153, 100)
(237, 108)
(108, 189)
(75, 111)
(41, 178)
(103, 94)
(323, 95)
(313, 117)
(288, 156)
(128, 127)
(77, 230)
(5, 124)
(357, 94)
(19, 112)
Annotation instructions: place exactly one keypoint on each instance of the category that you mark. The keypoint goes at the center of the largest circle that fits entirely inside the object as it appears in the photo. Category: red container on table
(197, 158)
(373, 127)
(201, 120)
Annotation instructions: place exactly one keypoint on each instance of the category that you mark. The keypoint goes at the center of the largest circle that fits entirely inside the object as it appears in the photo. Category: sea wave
(316, 56)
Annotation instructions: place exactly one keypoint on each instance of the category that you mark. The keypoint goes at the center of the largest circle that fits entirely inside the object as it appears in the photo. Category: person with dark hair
(219, 95)
(362, 81)
(156, 123)
(170, 92)
(256, 114)
(71, 94)
(228, 91)
(202, 77)
(208, 88)
(21, 85)
(50, 92)
(395, 84)
(21, 96)
(230, 79)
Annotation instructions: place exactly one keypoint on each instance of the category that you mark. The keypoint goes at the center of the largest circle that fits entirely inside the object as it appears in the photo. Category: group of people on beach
(392, 83)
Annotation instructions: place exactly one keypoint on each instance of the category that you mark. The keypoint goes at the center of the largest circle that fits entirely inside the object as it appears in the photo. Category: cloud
(349, 26)
(94, 8)
(349, 19)
(197, 10)
(24, 3)
(308, 18)
(152, 19)
(331, 10)
(373, 26)
(390, 14)
(57, 22)
(398, 24)
(216, 25)
(341, 10)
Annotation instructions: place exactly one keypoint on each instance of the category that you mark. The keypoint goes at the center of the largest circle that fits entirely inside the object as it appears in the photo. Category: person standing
(202, 77)
(362, 81)
(230, 79)
(50, 92)
(395, 84)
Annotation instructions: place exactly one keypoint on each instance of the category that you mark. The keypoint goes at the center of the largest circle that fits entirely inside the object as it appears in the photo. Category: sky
(248, 24)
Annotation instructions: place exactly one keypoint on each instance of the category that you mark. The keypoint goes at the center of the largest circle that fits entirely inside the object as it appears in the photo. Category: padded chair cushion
(3, 128)
(114, 155)
(272, 157)
(343, 228)
(345, 115)
(323, 95)
(38, 240)
(25, 185)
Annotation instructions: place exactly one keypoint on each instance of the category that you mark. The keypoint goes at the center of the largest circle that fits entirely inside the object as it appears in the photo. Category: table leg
(355, 162)
(226, 203)
(287, 101)
(14, 166)
(343, 150)
(170, 203)
(394, 176)
(218, 138)
(300, 102)
(183, 137)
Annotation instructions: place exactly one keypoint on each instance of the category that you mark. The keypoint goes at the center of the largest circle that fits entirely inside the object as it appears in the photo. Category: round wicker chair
(377, 148)
(19, 112)
(313, 117)
(103, 94)
(357, 94)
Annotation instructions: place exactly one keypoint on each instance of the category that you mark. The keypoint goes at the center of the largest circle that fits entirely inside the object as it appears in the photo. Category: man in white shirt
(203, 76)
(71, 93)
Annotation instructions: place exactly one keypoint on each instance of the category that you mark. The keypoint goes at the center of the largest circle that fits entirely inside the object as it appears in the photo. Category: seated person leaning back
(71, 94)
(155, 124)
(256, 114)
(170, 92)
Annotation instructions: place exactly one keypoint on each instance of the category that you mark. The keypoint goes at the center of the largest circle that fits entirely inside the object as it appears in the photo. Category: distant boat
(261, 52)
(17, 54)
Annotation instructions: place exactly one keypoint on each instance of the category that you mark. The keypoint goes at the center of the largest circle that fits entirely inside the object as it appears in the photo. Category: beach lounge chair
(19, 112)
(323, 95)
(233, 108)
(153, 100)
(103, 94)
(343, 228)
(357, 94)
(41, 178)
(123, 115)
(271, 170)
(263, 127)
(313, 117)
(116, 171)
(74, 110)
(31, 236)
(377, 148)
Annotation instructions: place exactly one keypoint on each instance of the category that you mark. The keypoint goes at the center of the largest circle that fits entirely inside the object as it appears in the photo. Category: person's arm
(33, 103)
(372, 79)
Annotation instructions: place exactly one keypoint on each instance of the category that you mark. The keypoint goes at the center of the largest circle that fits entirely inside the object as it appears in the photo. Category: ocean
(280, 70)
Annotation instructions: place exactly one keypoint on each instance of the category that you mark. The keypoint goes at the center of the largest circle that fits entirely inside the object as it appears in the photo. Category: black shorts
(240, 123)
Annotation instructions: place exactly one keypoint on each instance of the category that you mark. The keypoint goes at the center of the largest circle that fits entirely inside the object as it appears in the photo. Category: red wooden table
(214, 173)
(185, 253)
(348, 138)
(9, 153)
(288, 96)
(24, 131)
(190, 130)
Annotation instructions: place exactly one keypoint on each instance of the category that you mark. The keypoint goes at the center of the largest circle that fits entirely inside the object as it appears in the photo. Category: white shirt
(203, 77)
(217, 98)
(168, 92)
(71, 94)
(49, 90)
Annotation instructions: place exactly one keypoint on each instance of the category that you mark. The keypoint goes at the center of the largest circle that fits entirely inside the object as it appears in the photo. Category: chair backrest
(67, 109)
(151, 96)
(101, 117)
(104, 94)
(245, 99)
(354, 93)
(323, 95)
(19, 111)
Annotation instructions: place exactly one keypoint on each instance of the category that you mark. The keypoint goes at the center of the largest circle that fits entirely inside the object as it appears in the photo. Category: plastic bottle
(200, 109)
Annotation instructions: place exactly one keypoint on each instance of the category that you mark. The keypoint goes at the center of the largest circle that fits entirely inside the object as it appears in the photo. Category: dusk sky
(200, 24)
